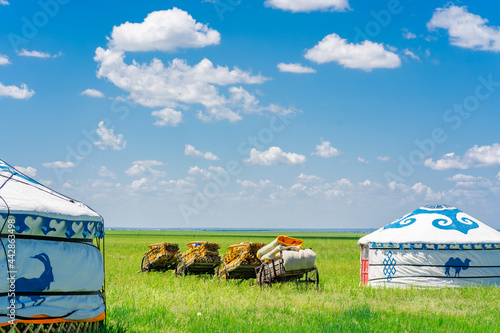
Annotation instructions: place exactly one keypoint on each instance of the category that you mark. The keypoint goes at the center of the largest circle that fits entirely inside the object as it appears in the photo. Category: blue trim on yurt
(425, 246)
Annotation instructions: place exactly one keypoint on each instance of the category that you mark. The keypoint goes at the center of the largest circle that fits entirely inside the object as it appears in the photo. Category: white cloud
(274, 156)
(140, 168)
(167, 117)
(367, 182)
(165, 30)
(105, 172)
(383, 158)
(410, 54)
(177, 85)
(362, 160)
(468, 181)
(29, 171)
(191, 151)
(156, 85)
(34, 54)
(408, 34)
(477, 156)
(59, 165)
(197, 171)
(4, 3)
(4, 60)
(137, 184)
(466, 30)
(324, 149)
(109, 139)
(295, 68)
(246, 183)
(22, 92)
(366, 56)
(92, 93)
(303, 178)
(309, 5)
(216, 169)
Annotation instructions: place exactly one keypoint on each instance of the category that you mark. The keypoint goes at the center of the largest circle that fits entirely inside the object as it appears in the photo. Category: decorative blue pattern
(449, 220)
(389, 266)
(21, 226)
(425, 246)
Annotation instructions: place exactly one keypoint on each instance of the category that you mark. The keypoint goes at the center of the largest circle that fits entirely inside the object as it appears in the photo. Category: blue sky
(251, 114)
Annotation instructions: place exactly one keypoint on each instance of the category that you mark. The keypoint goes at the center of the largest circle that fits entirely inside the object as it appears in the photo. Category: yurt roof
(23, 197)
(434, 224)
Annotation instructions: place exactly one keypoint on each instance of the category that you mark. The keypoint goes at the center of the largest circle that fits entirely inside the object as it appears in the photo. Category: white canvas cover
(49, 264)
(434, 246)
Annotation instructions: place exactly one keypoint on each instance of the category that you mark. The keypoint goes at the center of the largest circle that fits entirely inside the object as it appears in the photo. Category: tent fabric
(434, 246)
(49, 267)
(436, 268)
(437, 224)
(38, 210)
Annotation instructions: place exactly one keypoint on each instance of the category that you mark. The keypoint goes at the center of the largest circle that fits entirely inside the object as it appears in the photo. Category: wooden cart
(242, 272)
(195, 268)
(274, 271)
(160, 258)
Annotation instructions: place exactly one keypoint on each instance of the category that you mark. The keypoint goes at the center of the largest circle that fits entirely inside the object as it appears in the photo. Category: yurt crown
(438, 207)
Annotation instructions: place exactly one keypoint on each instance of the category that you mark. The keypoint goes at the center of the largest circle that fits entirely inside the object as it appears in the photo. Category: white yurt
(433, 246)
(51, 265)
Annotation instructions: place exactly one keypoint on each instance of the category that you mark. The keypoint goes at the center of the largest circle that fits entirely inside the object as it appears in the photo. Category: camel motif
(38, 284)
(457, 264)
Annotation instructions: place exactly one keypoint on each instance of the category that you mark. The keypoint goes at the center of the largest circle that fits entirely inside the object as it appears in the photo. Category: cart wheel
(265, 275)
(181, 268)
(145, 264)
(226, 273)
(313, 276)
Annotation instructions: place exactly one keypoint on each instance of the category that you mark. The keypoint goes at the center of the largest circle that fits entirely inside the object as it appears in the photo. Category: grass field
(161, 302)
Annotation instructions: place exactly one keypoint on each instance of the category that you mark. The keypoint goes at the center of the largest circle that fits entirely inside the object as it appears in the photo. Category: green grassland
(162, 302)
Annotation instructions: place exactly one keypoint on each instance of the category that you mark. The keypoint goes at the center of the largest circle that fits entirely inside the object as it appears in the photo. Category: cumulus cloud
(4, 60)
(4, 3)
(177, 85)
(197, 171)
(308, 5)
(92, 93)
(105, 172)
(466, 30)
(295, 68)
(146, 167)
(28, 171)
(408, 34)
(410, 54)
(274, 156)
(366, 56)
(362, 160)
(189, 150)
(383, 158)
(22, 92)
(59, 165)
(167, 117)
(303, 178)
(477, 156)
(468, 181)
(109, 139)
(165, 30)
(324, 149)
(37, 54)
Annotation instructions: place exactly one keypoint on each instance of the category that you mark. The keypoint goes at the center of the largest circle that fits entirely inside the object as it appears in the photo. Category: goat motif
(36, 285)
